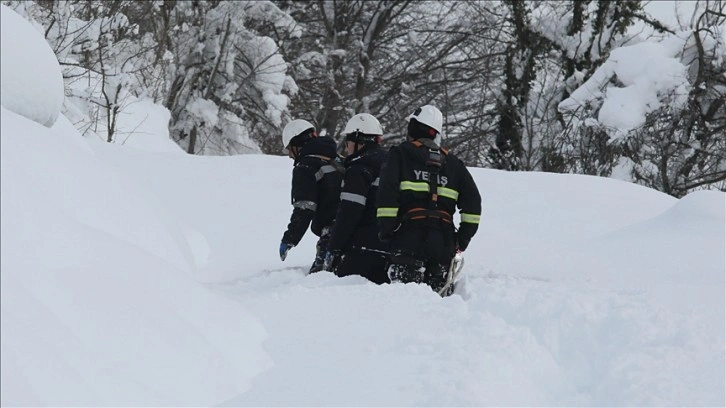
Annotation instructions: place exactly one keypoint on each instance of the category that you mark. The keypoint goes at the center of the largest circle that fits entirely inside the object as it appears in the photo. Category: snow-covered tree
(225, 85)
(341, 58)
(681, 146)
(388, 58)
(552, 48)
(661, 106)
(557, 86)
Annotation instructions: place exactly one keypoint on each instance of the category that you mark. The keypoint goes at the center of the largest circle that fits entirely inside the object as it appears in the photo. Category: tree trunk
(192, 140)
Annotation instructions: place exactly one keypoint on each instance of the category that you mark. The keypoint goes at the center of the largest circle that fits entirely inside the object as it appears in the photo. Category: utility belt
(420, 214)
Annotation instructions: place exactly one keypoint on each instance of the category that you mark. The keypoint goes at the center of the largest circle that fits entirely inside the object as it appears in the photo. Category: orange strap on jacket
(418, 143)
(420, 213)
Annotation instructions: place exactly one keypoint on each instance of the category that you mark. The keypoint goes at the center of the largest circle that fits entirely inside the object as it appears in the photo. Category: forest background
(587, 87)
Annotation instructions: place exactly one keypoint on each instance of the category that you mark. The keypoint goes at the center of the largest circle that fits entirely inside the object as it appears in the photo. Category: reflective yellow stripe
(423, 187)
(387, 212)
(470, 218)
(448, 193)
(415, 186)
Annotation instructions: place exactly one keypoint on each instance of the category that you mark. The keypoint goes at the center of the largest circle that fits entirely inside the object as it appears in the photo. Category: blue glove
(284, 248)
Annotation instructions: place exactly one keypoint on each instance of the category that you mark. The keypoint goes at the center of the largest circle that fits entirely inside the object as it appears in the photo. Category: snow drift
(571, 298)
(33, 88)
(98, 302)
(580, 291)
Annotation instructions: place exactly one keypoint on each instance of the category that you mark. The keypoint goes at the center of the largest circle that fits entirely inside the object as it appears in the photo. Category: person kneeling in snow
(421, 185)
(354, 247)
(315, 187)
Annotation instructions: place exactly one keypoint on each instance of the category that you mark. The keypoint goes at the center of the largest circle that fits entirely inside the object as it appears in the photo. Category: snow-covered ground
(580, 291)
(138, 275)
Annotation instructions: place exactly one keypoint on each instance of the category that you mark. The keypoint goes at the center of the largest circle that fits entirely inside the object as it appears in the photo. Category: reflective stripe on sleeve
(356, 198)
(385, 212)
(323, 171)
(448, 193)
(305, 205)
(470, 218)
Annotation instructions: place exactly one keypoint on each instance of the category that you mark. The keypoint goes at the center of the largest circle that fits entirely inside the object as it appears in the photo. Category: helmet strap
(358, 138)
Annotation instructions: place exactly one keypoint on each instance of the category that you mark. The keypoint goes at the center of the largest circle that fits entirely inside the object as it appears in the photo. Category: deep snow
(580, 291)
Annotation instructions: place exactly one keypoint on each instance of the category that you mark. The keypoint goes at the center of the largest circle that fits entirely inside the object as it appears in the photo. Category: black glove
(461, 245)
(332, 260)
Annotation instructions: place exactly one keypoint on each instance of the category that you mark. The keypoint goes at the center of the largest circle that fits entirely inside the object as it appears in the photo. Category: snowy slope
(98, 303)
(581, 290)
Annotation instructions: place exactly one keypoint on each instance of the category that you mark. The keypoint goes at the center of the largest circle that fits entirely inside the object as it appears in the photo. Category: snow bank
(227, 192)
(695, 221)
(571, 297)
(32, 84)
(521, 222)
(560, 308)
(98, 305)
(709, 205)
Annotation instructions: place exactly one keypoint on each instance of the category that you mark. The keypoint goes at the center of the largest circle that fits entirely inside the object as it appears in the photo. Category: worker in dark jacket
(354, 247)
(420, 188)
(315, 187)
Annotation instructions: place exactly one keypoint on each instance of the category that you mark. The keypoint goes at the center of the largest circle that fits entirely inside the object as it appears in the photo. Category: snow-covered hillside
(149, 277)
(580, 290)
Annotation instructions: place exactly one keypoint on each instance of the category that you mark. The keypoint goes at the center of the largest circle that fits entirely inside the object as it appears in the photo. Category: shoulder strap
(337, 163)
(434, 162)
(430, 144)
(331, 165)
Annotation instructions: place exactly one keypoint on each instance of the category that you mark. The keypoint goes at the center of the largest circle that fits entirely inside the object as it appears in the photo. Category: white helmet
(364, 123)
(430, 116)
(294, 128)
